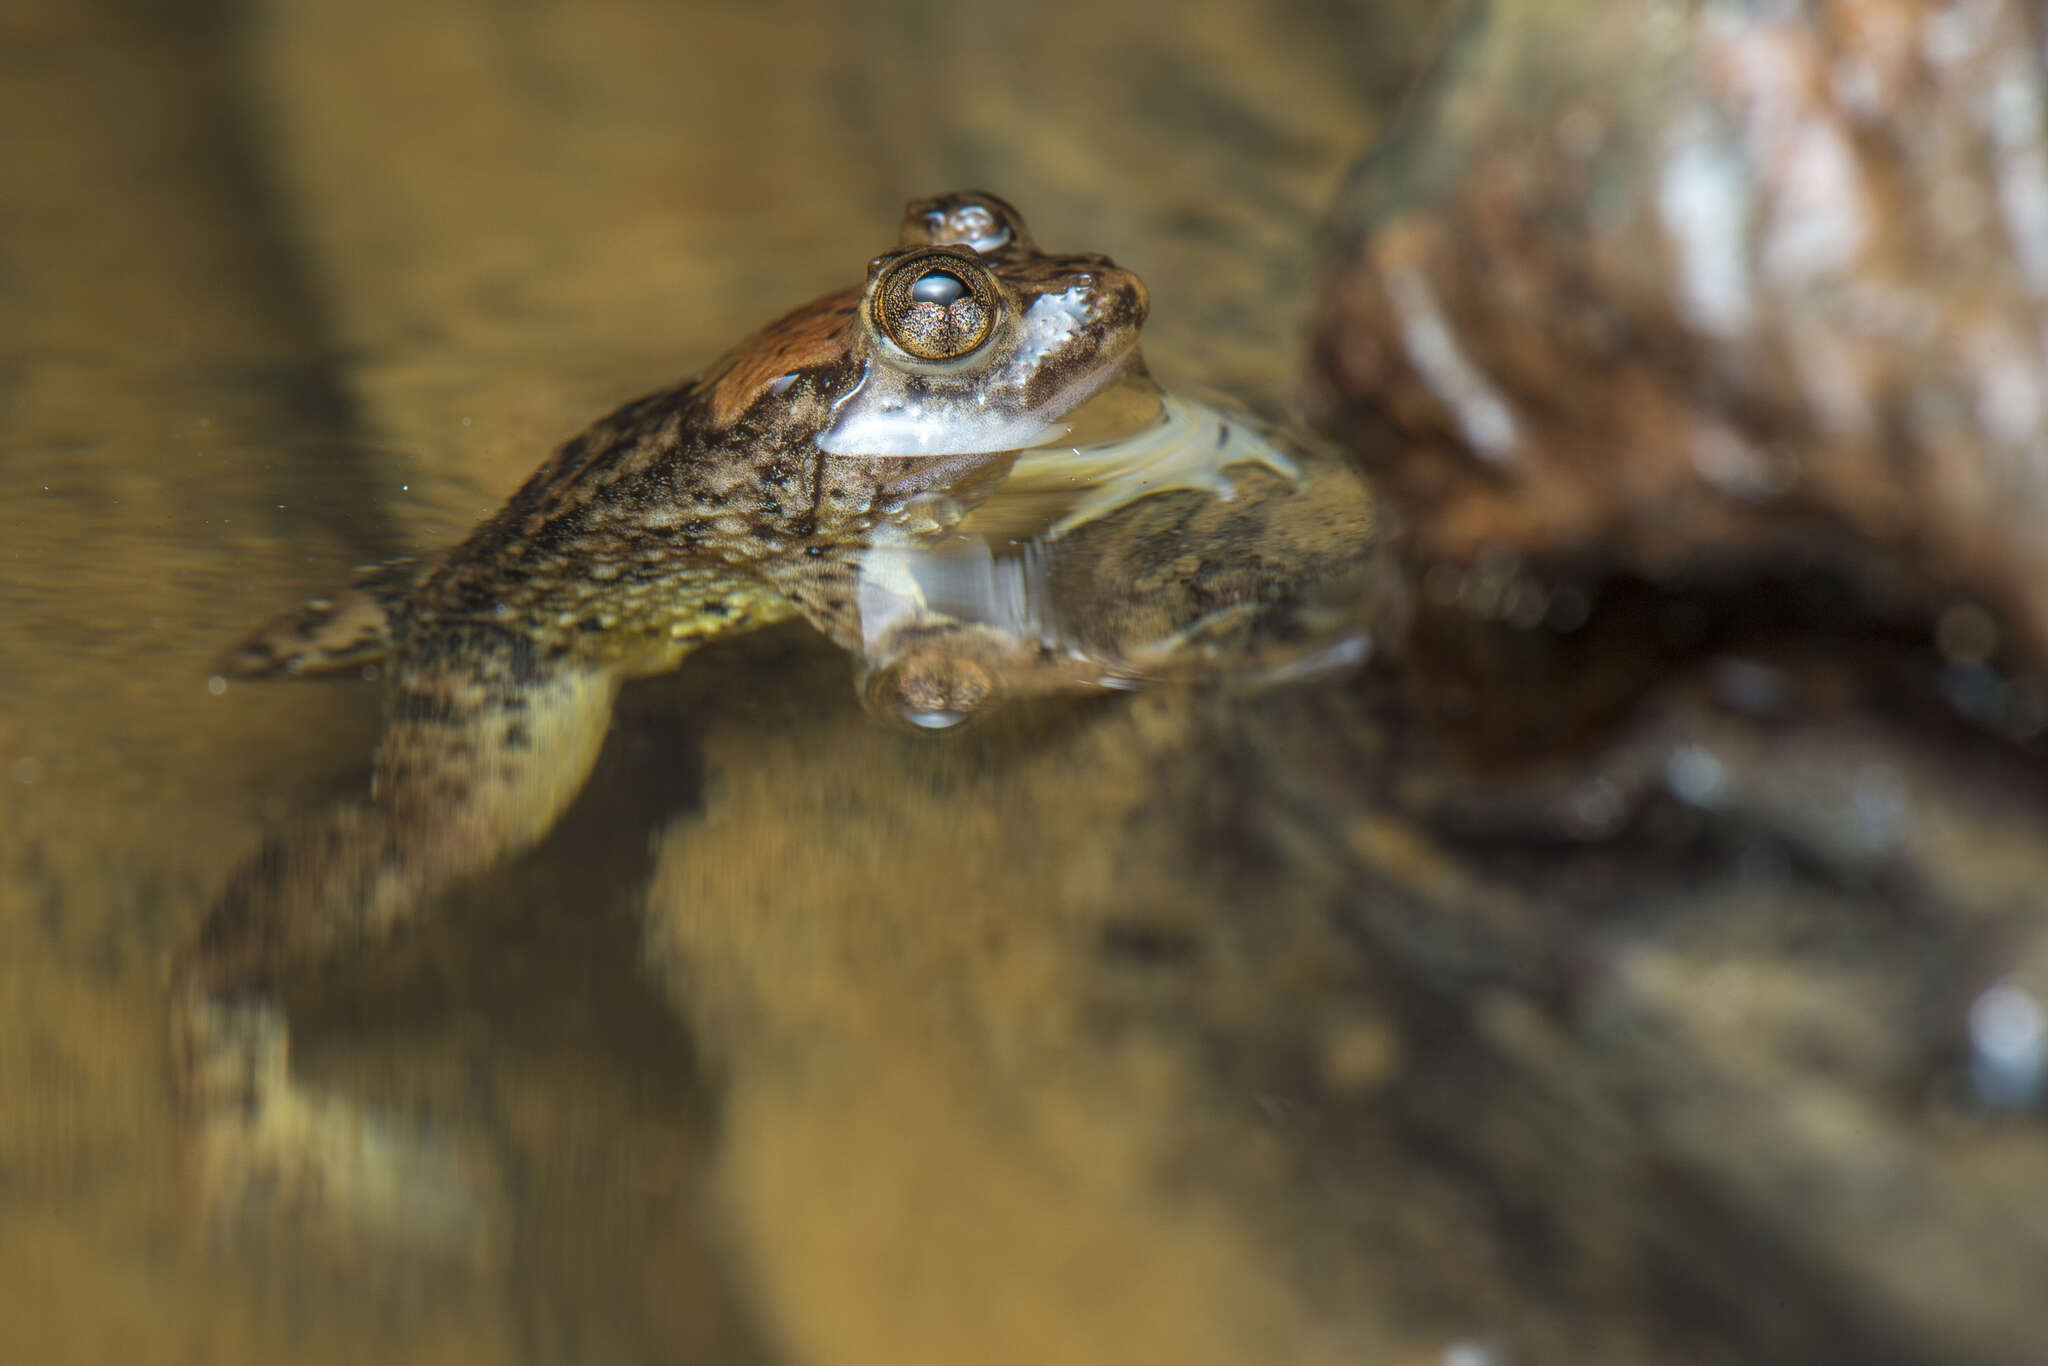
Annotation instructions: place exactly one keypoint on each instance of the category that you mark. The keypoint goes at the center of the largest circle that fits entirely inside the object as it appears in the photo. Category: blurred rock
(1700, 354)
(1711, 294)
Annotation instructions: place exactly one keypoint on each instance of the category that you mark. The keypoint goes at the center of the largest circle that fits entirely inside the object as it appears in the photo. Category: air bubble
(2008, 1048)
(1695, 776)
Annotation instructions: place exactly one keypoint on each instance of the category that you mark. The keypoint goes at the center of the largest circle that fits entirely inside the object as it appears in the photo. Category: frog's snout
(1136, 299)
(1141, 298)
(1120, 296)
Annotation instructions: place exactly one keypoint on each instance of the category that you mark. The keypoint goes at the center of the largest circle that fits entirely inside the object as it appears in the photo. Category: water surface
(292, 286)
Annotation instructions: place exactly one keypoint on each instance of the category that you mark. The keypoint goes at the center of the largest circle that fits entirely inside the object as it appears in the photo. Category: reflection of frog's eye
(937, 307)
(971, 225)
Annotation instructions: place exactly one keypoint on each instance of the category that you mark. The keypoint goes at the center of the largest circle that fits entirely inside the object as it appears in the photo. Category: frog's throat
(882, 416)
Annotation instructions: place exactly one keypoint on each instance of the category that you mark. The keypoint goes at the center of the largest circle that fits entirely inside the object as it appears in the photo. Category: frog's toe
(322, 636)
(231, 1052)
(329, 635)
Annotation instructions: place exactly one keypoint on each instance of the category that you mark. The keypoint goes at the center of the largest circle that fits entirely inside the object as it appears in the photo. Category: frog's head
(974, 341)
(965, 340)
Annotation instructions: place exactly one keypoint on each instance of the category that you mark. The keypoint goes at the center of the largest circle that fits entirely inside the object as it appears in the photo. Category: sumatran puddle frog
(864, 424)
(739, 498)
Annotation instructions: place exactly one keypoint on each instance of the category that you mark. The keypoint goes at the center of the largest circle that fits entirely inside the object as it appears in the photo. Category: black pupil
(939, 288)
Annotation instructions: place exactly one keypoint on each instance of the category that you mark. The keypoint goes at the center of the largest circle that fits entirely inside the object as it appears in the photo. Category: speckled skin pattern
(695, 512)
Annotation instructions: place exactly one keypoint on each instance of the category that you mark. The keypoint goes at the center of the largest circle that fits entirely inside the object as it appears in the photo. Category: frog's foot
(485, 747)
(262, 1150)
(1191, 445)
(329, 635)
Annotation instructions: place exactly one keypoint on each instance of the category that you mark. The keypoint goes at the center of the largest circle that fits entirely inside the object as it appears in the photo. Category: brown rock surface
(1710, 291)
(1700, 354)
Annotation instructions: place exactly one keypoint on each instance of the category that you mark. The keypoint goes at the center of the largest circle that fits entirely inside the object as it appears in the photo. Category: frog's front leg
(486, 743)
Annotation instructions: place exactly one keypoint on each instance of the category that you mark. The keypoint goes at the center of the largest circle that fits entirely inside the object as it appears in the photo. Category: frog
(741, 497)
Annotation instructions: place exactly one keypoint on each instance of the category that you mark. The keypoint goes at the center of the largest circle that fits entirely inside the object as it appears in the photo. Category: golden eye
(936, 305)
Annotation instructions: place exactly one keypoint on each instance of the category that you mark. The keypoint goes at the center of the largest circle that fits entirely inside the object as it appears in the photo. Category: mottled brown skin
(695, 512)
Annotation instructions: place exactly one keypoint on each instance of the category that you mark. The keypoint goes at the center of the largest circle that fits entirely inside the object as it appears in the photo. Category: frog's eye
(938, 287)
(936, 305)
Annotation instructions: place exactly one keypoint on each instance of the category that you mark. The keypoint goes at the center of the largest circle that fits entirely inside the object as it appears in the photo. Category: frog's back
(748, 494)
(578, 516)
(639, 538)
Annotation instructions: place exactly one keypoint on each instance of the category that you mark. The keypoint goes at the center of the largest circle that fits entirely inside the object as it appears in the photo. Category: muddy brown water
(288, 286)
(1210, 1023)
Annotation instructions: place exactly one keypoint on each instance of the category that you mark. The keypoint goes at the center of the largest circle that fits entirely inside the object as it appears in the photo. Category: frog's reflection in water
(1066, 578)
(1160, 538)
